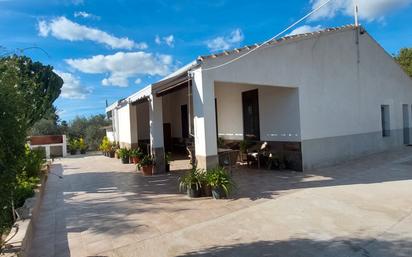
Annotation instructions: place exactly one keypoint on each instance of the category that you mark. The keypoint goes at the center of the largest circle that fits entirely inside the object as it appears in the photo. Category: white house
(320, 98)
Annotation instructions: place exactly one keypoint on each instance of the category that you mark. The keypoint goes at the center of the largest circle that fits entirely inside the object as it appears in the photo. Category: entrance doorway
(251, 128)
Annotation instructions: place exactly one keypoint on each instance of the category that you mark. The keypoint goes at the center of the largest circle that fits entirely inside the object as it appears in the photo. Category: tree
(90, 129)
(48, 125)
(27, 91)
(404, 58)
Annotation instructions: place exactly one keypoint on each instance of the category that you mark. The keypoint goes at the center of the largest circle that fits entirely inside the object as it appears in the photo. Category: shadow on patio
(348, 247)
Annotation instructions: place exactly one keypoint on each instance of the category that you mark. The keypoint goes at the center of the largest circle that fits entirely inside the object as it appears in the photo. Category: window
(386, 124)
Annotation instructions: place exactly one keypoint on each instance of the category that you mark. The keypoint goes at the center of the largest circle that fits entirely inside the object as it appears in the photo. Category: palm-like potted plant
(73, 146)
(124, 155)
(82, 146)
(191, 183)
(243, 146)
(135, 155)
(146, 165)
(206, 189)
(220, 182)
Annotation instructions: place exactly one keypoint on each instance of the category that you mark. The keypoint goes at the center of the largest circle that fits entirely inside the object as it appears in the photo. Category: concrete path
(104, 208)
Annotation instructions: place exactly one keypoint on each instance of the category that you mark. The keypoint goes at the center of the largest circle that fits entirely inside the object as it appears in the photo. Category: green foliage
(73, 144)
(168, 157)
(147, 160)
(45, 127)
(244, 145)
(404, 58)
(124, 153)
(219, 178)
(27, 91)
(35, 83)
(89, 128)
(191, 180)
(105, 145)
(33, 162)
(48, 125)
(135, 153)
(81, 144)
(220, 142)
(24, 189)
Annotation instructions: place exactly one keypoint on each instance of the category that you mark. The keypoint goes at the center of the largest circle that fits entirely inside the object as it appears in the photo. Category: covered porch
(180, 116)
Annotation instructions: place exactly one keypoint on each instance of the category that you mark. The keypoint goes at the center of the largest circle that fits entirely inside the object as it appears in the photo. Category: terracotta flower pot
(147, 170)
(135, 160)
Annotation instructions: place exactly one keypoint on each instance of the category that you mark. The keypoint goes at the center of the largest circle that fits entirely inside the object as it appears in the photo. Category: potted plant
(73, 146)
(82, 146)
(105, 146)
(191, 183)
(220, 182)
(124, 155)
(112, 150)
(206, 189)
(135, 155)
(243, 146)
(146, 165)
(168, 157)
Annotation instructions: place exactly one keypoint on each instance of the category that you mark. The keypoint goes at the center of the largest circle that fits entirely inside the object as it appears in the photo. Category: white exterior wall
(171, 110)
(339, 97)
(278, 112)
(110, 136)
(124, 120)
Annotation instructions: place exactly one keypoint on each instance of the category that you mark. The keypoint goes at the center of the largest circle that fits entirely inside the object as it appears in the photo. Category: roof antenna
(356, 9)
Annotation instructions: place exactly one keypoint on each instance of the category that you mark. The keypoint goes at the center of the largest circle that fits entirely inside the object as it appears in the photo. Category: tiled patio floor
(102, 207)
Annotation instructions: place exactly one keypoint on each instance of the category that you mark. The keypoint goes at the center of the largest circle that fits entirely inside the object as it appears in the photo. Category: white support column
(156, 133)
(204, 121)
(47, 148)
(64, 146)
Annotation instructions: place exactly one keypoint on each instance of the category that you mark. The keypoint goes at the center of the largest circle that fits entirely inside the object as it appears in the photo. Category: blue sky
(106, 50)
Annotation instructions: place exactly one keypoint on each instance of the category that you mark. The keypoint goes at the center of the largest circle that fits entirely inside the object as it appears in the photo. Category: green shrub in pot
(124, 155)
(135, 155)
(191, 182)
(220, 181)
(73, 146)
(146, 165)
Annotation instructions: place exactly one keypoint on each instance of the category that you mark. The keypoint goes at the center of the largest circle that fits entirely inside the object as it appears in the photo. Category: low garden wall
(21, 235)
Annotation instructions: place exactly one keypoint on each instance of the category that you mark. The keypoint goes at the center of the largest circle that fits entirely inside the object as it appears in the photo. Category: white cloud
(168, 40)
(158, 40)
(86, 15)
(227, 42)
(121, 66)
(138, 81)
(305, 29)
(71, 88)
(369, 10)
(63, 28)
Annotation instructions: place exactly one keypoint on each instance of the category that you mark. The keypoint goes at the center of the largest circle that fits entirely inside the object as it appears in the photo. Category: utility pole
(356, 9)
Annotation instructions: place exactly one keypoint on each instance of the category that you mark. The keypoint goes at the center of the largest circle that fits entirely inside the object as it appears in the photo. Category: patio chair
(191, 154)
(228, 159)
(256, 153)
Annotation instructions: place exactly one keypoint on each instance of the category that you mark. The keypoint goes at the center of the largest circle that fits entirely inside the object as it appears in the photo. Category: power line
(267, 41)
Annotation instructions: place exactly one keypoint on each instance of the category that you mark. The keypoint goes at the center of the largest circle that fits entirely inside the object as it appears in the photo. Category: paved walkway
(104, 208)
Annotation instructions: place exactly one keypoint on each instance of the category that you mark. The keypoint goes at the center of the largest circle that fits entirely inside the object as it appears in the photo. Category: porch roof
(179, 77)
